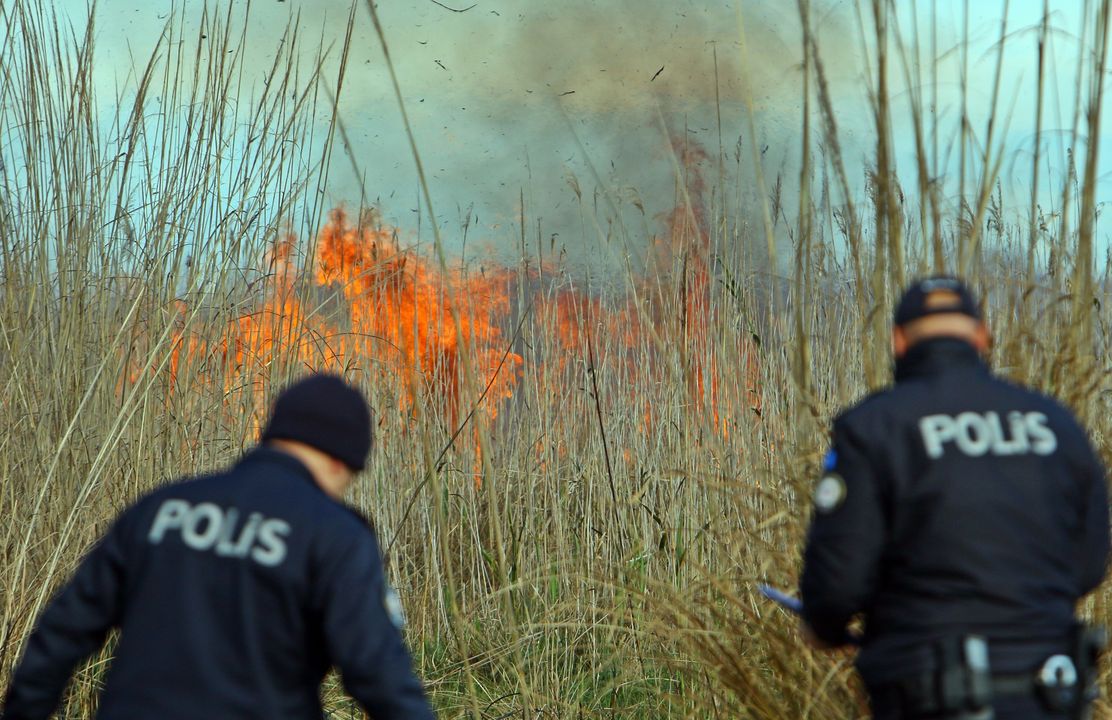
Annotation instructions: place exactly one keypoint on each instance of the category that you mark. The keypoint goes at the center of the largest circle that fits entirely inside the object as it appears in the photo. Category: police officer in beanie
(236, 592)
(962, 517)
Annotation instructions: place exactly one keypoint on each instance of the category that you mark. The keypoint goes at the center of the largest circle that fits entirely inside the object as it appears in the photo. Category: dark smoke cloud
(515, 97)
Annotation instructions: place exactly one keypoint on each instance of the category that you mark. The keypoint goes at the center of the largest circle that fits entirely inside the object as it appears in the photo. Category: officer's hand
(811, 639)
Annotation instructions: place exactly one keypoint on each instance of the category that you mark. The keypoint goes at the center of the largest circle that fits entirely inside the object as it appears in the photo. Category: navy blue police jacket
(234, 594)
(954, 503)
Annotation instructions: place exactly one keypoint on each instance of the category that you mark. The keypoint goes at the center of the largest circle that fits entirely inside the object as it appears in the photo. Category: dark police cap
(935, 296)
(326, 413)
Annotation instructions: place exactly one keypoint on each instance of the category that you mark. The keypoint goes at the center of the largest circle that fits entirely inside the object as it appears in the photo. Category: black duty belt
(921, 691)
(1011, 685)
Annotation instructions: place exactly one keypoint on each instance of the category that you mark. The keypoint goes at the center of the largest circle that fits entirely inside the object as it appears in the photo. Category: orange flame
(401, 313)
(366, 304)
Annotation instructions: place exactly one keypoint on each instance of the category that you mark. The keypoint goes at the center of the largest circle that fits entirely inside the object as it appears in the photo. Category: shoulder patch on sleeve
(830, 493)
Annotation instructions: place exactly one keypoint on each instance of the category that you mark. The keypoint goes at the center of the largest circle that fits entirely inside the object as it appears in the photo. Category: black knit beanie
(326, 413)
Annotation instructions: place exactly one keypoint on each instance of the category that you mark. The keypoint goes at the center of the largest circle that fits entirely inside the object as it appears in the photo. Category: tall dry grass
(605, 565)
(121, 231)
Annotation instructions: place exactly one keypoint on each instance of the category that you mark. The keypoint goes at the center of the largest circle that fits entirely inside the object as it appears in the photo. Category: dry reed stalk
(593, 574)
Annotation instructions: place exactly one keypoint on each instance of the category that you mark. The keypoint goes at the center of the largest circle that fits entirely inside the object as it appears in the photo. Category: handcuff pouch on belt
(959, 686)
(964, 680)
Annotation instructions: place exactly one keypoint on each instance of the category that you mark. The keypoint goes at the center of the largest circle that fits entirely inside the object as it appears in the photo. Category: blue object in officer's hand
(789, 603)
(795, 607)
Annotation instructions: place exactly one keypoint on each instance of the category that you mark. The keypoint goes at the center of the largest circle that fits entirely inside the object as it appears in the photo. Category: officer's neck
(329, 473)
(931, 356)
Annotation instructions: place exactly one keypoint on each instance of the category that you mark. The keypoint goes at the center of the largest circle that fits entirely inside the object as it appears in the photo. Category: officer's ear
(982, 338)
(899, 342)
(339, 468)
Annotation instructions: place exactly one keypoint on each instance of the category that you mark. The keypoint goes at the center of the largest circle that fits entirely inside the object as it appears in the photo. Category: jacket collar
(265, 455)
(936, 356)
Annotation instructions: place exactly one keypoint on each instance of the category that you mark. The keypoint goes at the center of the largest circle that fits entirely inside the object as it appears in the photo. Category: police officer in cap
(236, 592)
(962, 517)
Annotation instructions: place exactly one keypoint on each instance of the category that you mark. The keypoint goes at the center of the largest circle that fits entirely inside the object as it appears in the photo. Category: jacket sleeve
(845, 540)
(1094, 552)
(72, 627)
(362, 634)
